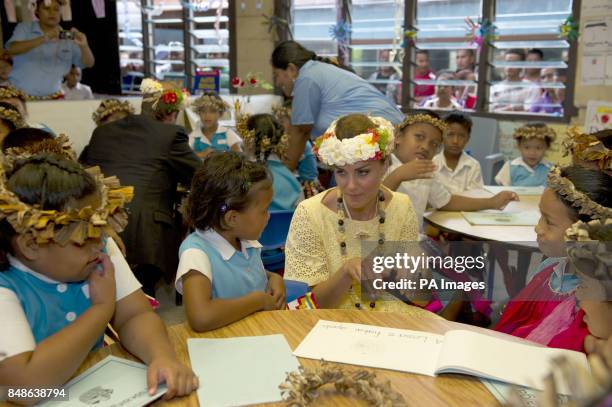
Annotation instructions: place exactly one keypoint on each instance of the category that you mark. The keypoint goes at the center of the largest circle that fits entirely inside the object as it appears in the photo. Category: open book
(457, 351)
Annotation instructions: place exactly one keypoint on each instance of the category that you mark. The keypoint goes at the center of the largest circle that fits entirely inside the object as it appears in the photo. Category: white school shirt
(17, 336)
(433, 104)
(79, 92)
(421, 192)
(466, 176)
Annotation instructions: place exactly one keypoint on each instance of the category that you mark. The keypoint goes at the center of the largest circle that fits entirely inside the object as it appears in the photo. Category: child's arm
(56, 358)
(297, 142)
(412, 170)
(276, 288)
(143, 333)
(205, 313)
(236, 148)
(463, 203)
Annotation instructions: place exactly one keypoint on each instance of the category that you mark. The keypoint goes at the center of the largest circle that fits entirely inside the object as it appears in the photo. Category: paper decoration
(340, 32)
(569, 29)
(480, 31)
(99, 9)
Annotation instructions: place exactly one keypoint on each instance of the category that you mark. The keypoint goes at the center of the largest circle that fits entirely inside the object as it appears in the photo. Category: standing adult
(322, 91)
(153, 155)
(43, 52)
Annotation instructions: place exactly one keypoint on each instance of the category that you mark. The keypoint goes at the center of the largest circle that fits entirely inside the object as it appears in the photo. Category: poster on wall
(598, 116)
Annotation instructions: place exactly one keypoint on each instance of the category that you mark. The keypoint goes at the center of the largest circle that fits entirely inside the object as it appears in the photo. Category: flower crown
(528, 132)
(376, 144)
(12, 116)
(424, 118)
(591, 254)
(10, 92)
(249, 136)
(579, 200)
(109, 106)
(281, 111)
(587, 147)
(150, 86)
(210, 101)
(169, 101)
(62, 227)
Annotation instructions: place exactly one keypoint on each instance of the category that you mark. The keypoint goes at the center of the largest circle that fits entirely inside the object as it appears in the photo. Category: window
(523, 71)
(173, 41)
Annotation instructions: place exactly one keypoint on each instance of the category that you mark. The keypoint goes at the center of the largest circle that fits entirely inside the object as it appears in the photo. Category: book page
(240, 371)
(507, 361)
(372, 346)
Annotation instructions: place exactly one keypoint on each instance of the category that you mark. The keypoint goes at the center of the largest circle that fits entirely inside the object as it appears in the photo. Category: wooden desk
(449, 390)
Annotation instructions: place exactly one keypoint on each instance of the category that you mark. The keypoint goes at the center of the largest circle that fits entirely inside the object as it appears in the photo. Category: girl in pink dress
(546, 310)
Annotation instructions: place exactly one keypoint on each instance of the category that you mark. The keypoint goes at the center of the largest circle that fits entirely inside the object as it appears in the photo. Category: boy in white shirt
(457, 171)
(417, 141)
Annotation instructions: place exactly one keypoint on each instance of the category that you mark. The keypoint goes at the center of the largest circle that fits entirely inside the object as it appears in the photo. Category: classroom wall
(254, 43)
(583, 94)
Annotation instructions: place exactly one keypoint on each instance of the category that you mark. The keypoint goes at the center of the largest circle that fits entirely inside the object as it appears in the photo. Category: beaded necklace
(343, 212)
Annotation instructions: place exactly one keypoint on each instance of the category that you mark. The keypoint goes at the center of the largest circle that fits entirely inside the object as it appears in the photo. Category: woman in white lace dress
(324, 246)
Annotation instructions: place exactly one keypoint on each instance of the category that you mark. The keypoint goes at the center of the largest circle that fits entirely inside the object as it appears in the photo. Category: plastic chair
(273, 239)
(484, 146)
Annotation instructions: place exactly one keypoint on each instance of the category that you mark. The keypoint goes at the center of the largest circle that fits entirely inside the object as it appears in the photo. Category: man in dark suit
(149, 153)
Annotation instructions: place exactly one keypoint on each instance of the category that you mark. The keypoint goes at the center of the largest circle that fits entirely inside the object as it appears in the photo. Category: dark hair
(291, 52)
(605, 136)
(224, 182)
(415, 112)
(535, 125)
(48, 180)
(422, 51)
(40, 2)
(25, 137)
(266, 127)
(8, 106)
(461, 119)
(536, 51)
(597, 185)
(516, 51)
(352, 125)
(468, 50)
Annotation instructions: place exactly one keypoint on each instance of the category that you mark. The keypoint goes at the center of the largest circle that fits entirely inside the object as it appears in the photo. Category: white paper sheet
(372, 346)
(525, 218)
(112, 382)
(495, 189)
(240, 371)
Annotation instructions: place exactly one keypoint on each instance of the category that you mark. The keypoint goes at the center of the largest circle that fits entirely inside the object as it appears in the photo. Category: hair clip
(223, 208)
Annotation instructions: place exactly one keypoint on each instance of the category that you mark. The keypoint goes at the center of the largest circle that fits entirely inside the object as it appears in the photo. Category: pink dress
(542, 315)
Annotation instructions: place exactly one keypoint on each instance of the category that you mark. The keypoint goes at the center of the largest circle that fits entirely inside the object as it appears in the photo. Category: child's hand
(500, 200)
(79, 38)
(179, 379)
(417, 169)
(269, 301)
(102, 284)
(276, 288)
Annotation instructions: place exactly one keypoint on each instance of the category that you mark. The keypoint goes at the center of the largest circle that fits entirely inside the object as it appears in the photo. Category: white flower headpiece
(376, 144)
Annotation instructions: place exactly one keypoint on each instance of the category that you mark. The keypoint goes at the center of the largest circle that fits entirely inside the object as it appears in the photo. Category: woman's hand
(179, 379)
(79, 38)
(352, 268)
(276, 288)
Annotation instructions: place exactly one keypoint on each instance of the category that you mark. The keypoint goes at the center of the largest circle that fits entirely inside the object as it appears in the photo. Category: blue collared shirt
(40, 71)
(323, 92)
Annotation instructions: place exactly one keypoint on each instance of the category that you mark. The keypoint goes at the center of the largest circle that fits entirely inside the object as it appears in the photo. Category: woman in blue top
(265, 141)
(41, 57)
(322, 92)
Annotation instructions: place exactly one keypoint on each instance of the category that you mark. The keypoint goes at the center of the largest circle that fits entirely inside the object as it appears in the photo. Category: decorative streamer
(275, 24)
(410, 37)
(480, 31)
(569, 29)
(99, 9)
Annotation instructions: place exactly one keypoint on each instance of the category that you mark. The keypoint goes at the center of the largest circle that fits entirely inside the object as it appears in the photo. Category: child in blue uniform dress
(208, 135)
(266, 141)
(530, 169)
(220, 273)
(62, 280)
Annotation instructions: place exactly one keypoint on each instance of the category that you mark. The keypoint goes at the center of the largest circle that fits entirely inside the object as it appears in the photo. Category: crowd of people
(81, 249)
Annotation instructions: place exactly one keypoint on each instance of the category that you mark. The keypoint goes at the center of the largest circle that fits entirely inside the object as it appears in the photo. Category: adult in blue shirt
(322, 92)
(40, 57)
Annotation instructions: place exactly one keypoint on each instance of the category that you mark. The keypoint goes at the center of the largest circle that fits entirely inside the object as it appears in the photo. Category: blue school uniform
(48, 305)
(221, 140)
(519, 173)
(232, 273)
(287, 188)
(307, 166)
